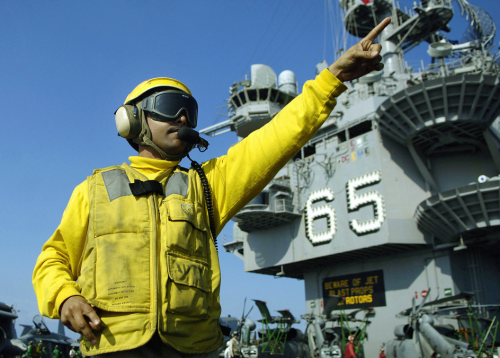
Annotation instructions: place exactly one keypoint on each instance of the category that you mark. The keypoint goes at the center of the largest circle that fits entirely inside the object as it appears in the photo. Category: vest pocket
(188, 286)
(122, 272)
(186, 228)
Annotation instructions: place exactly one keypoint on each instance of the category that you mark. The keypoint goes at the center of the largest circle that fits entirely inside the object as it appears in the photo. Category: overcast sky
(66, 66)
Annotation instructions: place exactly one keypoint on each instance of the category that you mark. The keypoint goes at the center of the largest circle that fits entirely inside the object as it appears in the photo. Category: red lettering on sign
(416, 294)
(423, 293)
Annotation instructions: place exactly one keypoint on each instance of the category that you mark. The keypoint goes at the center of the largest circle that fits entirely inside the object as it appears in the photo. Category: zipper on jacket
(154, 255)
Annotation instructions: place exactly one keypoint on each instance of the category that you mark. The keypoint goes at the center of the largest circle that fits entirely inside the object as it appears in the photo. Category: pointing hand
(362, 58)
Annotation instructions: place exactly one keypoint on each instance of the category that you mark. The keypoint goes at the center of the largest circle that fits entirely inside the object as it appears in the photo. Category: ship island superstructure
(399, 191)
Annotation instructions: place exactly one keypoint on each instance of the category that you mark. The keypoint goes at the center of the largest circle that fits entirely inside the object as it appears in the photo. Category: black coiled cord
(208, 198)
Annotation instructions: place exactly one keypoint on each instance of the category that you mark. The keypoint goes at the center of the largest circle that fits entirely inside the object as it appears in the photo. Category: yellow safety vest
(150, 263)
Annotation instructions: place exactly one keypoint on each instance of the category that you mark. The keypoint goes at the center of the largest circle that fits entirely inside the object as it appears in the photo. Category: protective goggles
(166, 106)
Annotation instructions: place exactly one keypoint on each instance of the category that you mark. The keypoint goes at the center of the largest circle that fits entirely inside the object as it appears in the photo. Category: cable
(208, 197)
(324, 41)
(332, 31)
(277, 31)
(277, 51)
(264, 33)
(292, 43)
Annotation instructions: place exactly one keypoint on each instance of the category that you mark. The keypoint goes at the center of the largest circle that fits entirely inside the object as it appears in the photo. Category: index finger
(92, 315)
(378, 29)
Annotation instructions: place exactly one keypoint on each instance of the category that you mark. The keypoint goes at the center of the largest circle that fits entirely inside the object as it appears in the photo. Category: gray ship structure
(398, 194)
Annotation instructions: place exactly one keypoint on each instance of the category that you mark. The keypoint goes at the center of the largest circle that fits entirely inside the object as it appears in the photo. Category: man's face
(165, 134)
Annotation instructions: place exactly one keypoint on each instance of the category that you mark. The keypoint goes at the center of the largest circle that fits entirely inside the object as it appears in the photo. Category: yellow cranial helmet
(154, 83)
(131, 121)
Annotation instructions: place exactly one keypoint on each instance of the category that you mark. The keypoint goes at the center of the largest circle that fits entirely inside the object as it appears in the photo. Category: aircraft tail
(60, 329)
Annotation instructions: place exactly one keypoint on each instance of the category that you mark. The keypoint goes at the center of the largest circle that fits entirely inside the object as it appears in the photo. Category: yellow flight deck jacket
(149, 262)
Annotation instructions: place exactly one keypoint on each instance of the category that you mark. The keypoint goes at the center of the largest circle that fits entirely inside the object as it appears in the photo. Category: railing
(281, 181)
(228, 239)
(435, 68)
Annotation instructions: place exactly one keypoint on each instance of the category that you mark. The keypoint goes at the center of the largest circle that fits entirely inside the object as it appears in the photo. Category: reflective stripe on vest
(177, 184)
(117, 184)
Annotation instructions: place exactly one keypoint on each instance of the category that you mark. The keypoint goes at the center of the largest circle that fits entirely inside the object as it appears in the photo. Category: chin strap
(208, 197)
(164, 155)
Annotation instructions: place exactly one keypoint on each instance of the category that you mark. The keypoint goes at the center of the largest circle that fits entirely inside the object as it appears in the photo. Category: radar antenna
(482, 25)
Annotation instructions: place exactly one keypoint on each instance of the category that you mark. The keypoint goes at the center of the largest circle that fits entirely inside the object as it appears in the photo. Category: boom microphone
(191, 136)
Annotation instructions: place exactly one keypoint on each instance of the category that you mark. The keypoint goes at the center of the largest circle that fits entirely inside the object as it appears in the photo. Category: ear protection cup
(127, 122)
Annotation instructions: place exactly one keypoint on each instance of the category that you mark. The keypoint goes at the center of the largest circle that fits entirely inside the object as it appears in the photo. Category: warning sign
(360, 290)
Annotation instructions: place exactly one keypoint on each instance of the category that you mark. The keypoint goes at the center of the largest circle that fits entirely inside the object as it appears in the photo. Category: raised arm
(251, 164)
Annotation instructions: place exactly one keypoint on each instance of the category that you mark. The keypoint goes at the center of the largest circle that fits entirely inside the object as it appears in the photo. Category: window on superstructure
(252, 95)
(305, 152)
(359, 129)
(341, 136)
(261, 199)
(282, 98)
(309, 150)
(236, 101)
(274, 95)
(263, 93)
(242, 97)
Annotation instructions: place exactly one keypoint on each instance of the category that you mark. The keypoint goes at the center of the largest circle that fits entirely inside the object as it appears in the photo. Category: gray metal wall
(401, 187)
(404, 275)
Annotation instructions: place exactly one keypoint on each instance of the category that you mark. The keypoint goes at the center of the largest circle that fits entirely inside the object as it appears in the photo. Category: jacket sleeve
(55, 274)
(237, 177)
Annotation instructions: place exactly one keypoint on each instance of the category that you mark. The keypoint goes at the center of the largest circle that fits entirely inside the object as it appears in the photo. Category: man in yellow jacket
(133, 265)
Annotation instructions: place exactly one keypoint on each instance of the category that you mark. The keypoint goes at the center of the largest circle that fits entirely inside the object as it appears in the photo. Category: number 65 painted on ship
(354, 202)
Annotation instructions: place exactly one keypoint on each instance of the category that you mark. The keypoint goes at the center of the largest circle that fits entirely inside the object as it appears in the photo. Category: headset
(128, 124)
